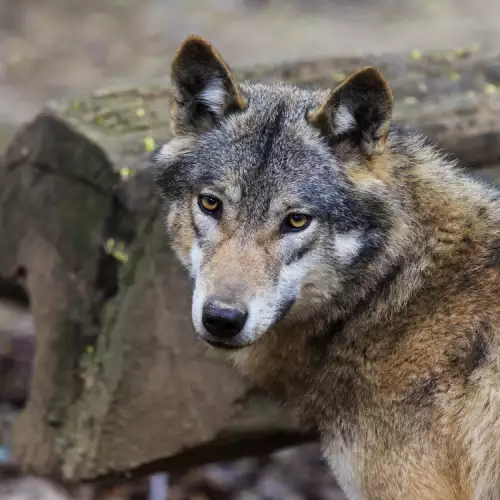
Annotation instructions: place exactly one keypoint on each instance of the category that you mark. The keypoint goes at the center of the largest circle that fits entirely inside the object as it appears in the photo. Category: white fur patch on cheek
(291, 278)
(344, 120)
(195, 260)
(197, 307)
(199, 294)
(347, 246)
(260, 317)
(213, 96)
(263, 309)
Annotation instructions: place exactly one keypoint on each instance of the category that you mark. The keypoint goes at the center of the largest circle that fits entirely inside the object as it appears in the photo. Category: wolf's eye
(209, 204)
(295, 222)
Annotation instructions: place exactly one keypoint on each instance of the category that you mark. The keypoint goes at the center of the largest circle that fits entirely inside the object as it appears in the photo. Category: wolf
(347, 266)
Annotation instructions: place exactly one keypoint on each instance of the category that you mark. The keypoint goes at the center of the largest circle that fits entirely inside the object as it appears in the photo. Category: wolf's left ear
(359, 109)
(203, 87)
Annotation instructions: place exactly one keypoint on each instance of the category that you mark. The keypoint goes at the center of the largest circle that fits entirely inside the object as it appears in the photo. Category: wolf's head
(275, 197)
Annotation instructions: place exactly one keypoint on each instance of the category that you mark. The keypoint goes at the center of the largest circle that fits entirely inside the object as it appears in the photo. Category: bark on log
(121, 384)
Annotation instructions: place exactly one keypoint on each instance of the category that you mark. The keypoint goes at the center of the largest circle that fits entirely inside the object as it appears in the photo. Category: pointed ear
(359, 109)
(203, 87)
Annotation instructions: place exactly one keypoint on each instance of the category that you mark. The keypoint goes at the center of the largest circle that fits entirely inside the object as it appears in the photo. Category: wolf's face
(260, 207)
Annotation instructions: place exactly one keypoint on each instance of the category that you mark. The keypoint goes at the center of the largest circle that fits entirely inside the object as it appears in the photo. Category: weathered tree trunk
(121, 384)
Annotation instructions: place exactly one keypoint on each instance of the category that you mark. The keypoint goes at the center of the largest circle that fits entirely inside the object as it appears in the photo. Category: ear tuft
(203, 87)
(359, 109)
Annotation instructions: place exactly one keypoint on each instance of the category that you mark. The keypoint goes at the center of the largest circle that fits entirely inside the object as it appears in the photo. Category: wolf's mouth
(223, 345)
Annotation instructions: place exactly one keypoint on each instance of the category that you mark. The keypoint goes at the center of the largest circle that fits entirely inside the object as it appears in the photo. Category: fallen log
(121, 385)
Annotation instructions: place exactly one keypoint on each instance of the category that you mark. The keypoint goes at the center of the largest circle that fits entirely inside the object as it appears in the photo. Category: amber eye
(295, 222)
(209, 204)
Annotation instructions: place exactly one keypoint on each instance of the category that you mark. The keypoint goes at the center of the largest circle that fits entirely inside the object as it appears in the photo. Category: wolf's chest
(343, 464)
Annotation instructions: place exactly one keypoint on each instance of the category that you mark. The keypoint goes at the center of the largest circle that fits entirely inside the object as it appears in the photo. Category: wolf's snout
(223, 320)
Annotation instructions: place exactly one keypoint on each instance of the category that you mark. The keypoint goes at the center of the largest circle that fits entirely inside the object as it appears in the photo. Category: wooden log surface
(121, 385)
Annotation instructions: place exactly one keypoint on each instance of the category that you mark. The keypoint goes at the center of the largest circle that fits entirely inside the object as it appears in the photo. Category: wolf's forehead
(270, 144)
(270, 156)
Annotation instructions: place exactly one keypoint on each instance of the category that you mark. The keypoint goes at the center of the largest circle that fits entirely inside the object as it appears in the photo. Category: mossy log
(121, 385)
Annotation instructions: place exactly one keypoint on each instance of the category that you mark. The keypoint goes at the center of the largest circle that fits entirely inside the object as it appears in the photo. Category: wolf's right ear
(203, 87)
(359, 109)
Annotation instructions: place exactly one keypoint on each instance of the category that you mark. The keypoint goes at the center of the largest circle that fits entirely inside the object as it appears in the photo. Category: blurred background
(53, 49)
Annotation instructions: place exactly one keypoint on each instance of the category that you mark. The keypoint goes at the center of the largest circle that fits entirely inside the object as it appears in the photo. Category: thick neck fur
(314, 364)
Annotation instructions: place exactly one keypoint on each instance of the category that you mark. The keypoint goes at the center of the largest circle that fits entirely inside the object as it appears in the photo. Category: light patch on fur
(263, 308)
(261, 314)
(234, 193)
(344, 120)
(213, 96)
(476, 432)
(290, 279)
(348, 246)
(195, 261)
(170, 151)
(199, 297)
(339, 458)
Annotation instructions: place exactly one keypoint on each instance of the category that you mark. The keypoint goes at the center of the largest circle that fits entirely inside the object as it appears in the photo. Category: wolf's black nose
(222, 320)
